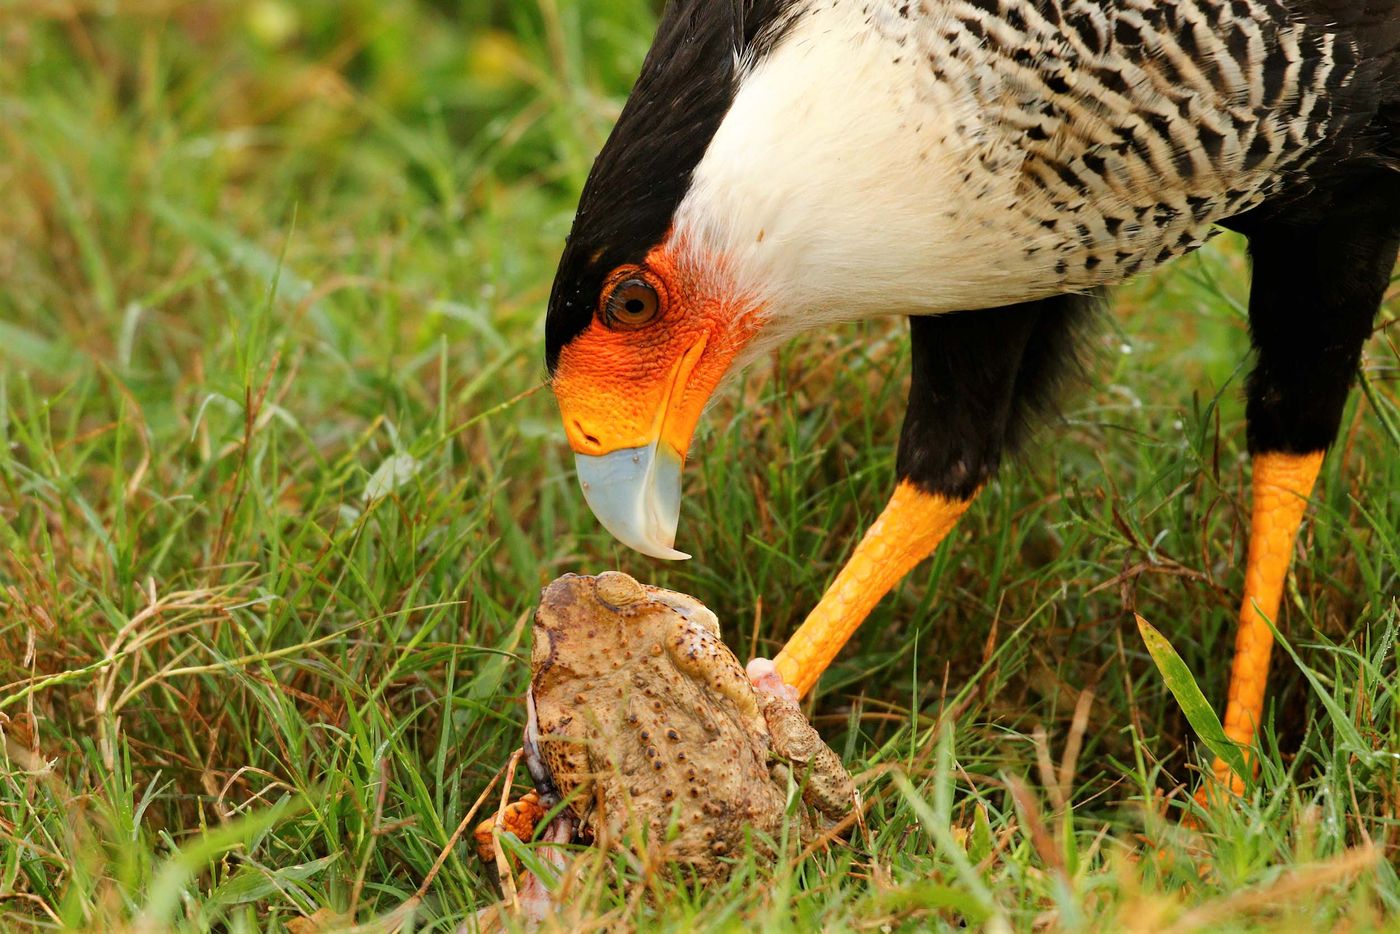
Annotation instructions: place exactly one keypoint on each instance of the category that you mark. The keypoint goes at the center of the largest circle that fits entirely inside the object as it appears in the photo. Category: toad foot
(519, 817)
(827, 786)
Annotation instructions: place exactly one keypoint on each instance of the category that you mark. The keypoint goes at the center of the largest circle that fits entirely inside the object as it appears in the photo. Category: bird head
(643, 321)
(765, 177)
(632, 382)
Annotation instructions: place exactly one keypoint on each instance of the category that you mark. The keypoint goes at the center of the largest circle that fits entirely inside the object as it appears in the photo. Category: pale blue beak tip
(636, 495)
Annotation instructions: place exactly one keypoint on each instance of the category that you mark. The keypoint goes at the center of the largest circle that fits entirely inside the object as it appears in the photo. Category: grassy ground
(279, 484)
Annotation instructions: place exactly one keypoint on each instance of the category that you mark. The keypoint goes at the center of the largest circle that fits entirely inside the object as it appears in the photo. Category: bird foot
(763, 674)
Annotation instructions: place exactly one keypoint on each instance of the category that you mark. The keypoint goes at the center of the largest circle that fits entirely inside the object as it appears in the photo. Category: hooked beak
(629, 444)
(630, 412)
(636, 495)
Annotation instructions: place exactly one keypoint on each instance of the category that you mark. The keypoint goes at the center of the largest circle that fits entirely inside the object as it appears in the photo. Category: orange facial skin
(627, 387)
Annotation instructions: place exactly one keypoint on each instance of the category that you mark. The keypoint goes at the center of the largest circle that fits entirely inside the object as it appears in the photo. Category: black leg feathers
(1314, 297)
(979, 379)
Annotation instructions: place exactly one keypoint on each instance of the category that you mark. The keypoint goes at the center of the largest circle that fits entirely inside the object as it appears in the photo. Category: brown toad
(641, 719)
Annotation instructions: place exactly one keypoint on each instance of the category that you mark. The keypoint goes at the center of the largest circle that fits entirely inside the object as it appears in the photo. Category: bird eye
(632, 304)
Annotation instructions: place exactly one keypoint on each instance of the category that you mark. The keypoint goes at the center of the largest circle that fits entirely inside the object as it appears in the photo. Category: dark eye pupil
(632, 304)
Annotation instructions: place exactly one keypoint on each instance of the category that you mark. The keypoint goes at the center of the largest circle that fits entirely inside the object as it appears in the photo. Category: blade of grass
(170, 880)
(1198, 711)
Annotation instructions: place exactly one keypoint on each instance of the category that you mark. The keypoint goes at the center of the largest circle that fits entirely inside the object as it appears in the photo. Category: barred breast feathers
(891, 156)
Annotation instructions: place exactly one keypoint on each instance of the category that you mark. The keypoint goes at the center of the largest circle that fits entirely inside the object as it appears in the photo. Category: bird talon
(764, 676)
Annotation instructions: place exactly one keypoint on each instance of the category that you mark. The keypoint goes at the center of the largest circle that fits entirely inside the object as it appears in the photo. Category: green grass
(280, 482)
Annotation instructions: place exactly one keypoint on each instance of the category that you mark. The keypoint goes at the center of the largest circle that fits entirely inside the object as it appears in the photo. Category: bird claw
(763, 674)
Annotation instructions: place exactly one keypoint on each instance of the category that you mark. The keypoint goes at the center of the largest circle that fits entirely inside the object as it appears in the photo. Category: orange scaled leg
(910, 528)
(1282, 484)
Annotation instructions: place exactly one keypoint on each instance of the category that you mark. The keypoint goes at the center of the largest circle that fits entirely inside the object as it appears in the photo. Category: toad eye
(633, 303)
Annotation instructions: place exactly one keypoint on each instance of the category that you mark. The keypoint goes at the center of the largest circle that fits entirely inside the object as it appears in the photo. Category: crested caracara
(985, 168)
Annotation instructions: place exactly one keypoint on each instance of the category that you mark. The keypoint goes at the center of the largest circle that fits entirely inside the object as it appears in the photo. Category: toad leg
(702, 655)
(827, 786)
